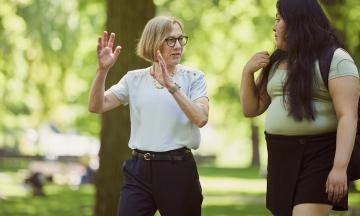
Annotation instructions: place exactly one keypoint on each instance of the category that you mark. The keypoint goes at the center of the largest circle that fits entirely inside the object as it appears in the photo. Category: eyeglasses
(171, 41)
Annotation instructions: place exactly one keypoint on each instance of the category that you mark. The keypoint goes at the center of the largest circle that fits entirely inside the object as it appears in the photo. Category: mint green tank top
(278, 120)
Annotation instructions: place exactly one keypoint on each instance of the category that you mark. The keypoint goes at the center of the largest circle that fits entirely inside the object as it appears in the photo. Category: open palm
(105, 54)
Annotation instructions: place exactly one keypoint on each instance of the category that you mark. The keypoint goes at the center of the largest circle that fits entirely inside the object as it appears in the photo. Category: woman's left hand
(336, 184)
(162, 75)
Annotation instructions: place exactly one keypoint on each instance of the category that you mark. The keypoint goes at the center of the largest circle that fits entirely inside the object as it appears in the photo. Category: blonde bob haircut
(155, 32)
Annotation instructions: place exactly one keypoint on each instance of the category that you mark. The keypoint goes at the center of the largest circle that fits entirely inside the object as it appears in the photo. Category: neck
(170, 68)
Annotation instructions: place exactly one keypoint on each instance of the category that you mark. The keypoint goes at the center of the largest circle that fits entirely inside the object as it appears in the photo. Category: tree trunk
(335, 14)
(127, 19)
(255, 160)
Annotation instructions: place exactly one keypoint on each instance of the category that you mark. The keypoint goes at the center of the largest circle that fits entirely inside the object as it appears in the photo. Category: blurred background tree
(127, 19)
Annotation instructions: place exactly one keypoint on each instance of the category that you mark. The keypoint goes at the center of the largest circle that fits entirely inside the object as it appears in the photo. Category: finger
(100, 41)
(111, 40)
(263, 64)
(117, 52)
(341, 193)
(336, 194)
(99, 46)
(264, 53)
(267, 61)
(327, 186)
(344, 191)
(264, 57)
(105, 38)
(330, 192)
(160, 58)
(161, 62)
(163, 68)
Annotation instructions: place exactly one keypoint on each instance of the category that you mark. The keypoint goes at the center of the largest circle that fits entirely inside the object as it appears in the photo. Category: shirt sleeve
(121, 90)
(198, 88)
(342, 65)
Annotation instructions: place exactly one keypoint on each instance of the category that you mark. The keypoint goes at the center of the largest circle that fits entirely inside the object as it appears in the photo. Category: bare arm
(344, 93)
(197, 111)
(99, 100)
(254, 101)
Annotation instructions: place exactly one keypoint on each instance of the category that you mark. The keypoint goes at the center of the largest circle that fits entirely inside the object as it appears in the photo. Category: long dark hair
(308, 33)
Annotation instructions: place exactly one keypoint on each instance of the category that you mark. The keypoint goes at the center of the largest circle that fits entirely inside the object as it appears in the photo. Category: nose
(274, 27)
(177, 44)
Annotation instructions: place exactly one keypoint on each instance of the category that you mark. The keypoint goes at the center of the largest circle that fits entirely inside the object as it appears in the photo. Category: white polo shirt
(157, 122)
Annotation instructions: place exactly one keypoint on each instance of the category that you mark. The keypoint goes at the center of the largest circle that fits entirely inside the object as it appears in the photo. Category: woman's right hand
(106, 56)
(258, 61)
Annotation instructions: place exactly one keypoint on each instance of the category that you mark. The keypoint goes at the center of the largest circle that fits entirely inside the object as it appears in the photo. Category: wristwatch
(174, 89)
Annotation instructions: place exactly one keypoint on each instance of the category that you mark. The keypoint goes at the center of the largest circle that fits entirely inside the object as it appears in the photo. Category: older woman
(168, 104)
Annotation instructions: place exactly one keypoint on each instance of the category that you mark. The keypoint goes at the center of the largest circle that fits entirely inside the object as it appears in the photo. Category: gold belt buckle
(147, 156)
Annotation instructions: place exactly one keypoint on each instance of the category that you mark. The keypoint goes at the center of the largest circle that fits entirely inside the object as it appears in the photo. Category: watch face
(174, 89)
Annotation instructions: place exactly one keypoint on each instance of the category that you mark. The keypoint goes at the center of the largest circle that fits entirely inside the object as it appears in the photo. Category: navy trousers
(170, 186)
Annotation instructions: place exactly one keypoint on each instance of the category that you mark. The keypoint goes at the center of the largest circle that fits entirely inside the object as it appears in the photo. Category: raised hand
(160, 72)
(259, 60)
(106, 56)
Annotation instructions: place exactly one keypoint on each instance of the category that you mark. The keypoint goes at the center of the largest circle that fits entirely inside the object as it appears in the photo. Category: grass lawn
(227, 192)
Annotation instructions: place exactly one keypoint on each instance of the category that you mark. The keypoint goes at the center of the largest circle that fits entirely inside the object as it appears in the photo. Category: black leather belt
(178, 154)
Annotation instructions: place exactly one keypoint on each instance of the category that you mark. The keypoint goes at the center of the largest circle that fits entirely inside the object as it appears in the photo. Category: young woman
(310, 129)
(168, 103)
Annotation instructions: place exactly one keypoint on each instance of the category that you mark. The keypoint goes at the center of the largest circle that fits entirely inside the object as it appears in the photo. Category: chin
(175, 61)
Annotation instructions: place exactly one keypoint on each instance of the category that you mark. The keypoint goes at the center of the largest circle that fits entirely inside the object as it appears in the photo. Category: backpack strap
(325, 62)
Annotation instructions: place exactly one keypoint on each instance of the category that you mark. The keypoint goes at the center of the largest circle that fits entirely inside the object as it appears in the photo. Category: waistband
(300, 138)
(177, 154)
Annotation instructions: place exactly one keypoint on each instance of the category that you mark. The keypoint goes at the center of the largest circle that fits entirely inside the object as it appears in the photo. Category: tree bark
(255, 160)
(127, 19)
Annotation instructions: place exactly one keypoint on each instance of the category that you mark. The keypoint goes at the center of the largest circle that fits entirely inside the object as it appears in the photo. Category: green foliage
(345, 16)
(47, 62)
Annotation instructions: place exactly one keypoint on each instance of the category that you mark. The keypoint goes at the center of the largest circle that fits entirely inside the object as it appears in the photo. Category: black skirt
(298, 167)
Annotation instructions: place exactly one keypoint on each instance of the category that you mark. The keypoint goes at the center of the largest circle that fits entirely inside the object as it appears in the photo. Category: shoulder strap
(325, 62)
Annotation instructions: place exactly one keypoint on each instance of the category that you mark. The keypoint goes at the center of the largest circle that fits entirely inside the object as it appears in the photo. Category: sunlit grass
(227, 192)
(232, 191)
(60, 200)
(230, 186)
